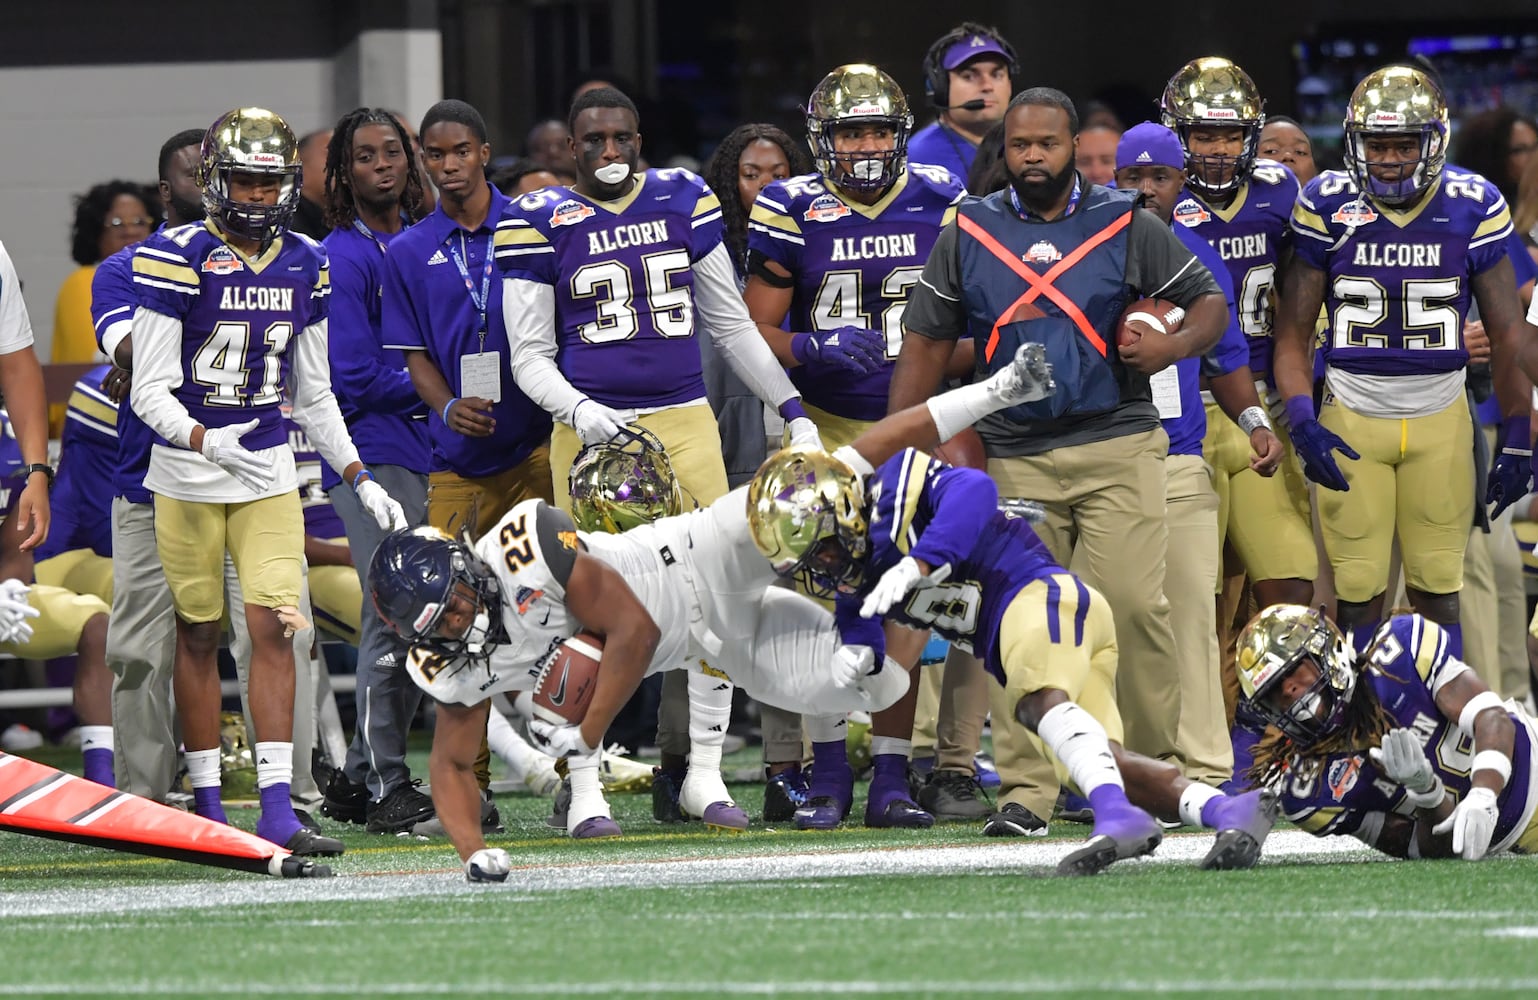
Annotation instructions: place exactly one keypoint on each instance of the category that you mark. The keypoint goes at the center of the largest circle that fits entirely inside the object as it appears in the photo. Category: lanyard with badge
(480, 374)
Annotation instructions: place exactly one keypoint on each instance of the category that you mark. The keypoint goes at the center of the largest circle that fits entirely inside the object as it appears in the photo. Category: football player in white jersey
(482, 618)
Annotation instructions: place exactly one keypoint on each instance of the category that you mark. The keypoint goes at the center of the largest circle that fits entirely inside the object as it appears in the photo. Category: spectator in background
(1096, 155)
(108, 218)
(1282, 139)
(968, 76)
(1524, 211)
(548, 146)
(522, 177)
(1497, 145)
(989, 172)
(310, 217)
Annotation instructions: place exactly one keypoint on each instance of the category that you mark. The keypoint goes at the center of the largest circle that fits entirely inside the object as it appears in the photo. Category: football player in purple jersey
(1397, 246)
(228, 312)
(1401, 746)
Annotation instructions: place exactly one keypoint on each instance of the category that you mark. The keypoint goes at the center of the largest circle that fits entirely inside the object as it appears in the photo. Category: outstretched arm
(457, 739)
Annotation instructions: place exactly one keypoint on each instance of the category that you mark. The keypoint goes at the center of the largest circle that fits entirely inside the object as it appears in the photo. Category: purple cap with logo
(1149, 145)
(973, 47)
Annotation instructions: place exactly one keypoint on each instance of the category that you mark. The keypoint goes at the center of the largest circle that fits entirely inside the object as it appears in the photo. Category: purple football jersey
(320, 518)
(623, 280)
(11, 480)
(1250, 234)
(1399, 283)
(1343, 791)
(853, 265)
(919, 506)
(239, 319)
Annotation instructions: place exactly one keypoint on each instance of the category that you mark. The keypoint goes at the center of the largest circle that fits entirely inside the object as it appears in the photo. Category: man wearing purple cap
(969, 77)
(1151, 162)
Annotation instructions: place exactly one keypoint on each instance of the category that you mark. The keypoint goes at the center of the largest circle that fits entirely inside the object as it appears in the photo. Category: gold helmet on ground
(622, 483)
(1272, 646)
(1396, 101)
(249, 141)
(806, 513)
(858, 94)
(1214, 92)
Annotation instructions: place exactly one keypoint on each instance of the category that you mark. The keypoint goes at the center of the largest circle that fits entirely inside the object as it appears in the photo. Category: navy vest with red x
(1061, 284)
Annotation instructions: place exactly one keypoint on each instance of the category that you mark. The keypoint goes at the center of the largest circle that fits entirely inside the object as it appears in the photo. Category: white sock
(203, 768)
(1080, 742)
(1192, 800)
(710, 709)
(824, 728)
(587, 798)
(512, 749)
(274, 764)
(880, 745)
(95, 738)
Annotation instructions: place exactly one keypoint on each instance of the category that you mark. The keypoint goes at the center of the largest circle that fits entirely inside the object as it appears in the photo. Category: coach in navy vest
(1054, 259)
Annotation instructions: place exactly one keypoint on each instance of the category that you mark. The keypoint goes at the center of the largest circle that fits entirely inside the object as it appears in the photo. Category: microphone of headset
(976, 104)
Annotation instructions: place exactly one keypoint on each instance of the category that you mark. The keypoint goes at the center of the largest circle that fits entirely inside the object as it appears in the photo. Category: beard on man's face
(1041, 190)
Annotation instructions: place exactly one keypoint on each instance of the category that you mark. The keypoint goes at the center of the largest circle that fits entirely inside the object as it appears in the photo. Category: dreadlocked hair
(340, 210)
(721, 174)
(1365, 725)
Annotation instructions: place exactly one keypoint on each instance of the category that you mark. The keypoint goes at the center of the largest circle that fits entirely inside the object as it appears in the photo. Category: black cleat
(1014, 820)
(345, 801)
(784, 793)
(306, 843)
(665, 789)
(954, 796)
(401, 809)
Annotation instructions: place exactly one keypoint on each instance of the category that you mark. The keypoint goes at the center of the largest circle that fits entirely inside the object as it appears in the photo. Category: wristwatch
(43, 467)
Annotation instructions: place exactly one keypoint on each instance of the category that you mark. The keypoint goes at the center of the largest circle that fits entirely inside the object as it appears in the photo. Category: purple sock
(831, 773)
(1208, 819)
(891, 775)
(278, 822)
(98, 766)
(206, 802)
(1243, 739)
(1108, 798)
(1454, 639)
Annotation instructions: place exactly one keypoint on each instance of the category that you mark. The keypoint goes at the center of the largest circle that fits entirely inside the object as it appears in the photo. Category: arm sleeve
(528, 312)
(960, 502)
(15, 326)
(157, 372)
(315, 406)
(734, 333)
(358, 370)
(1160, 266)
(935, 309)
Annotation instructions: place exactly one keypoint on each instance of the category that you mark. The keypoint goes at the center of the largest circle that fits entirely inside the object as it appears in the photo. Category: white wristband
(1253, 417)
(1492, 760)
(1430, 798)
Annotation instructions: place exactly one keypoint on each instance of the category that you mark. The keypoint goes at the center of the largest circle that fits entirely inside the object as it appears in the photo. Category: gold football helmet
(1272, 646)
(1396, 101)
(806, 513)
(624, 482)
(1213, 91)
(249, 141)
(858, 94)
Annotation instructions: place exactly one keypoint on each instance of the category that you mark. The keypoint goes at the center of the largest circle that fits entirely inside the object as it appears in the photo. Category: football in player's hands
(568, 678)
(1148, 316)
(964, 450)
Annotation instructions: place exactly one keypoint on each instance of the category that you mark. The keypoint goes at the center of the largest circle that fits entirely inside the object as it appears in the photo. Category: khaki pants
(455, 501)
(1104, 501)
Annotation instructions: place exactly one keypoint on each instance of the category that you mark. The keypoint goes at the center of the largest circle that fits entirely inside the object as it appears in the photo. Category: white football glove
(1403, 761)
(851, 664)
(896, 583)
(1027, 379)
(803, 431)
(379, 505)
(14, 612)
(558, 739)
(596, 423)
(489, 864)
(221, 446)
(1472, 823)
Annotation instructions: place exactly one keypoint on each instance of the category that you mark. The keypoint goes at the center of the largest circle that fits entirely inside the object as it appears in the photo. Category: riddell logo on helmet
(429, 612)
(1221, 115)
(1385, 118)
(867, 108)
(264, 160)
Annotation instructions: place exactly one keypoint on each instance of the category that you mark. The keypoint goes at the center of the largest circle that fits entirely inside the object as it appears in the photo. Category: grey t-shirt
(1158, 265)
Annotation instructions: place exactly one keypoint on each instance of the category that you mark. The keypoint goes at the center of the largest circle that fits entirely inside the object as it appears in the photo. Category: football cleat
(954, 796)
(784, 793)
(704, 797)
(623, 776)
(541, 778)
(401, 809)
(1014, 820)
(345, 801)
(306, 843)
(1242, 822)
(596, 828)
(1076, 808)
(665, 786)
(1120, 833)
(896, 812)
(828, 798)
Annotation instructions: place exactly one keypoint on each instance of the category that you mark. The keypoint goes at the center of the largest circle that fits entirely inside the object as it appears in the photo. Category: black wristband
(45, 469)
